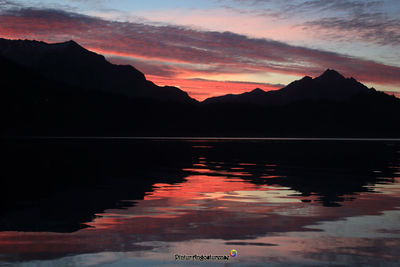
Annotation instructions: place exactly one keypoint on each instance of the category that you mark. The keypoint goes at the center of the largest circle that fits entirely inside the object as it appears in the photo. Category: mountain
(70, 64)
(32, 103)
(331, 85)
(65, 90)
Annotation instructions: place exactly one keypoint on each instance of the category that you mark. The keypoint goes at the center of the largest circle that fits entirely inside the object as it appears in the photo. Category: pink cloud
(187, 53)
(202, 89)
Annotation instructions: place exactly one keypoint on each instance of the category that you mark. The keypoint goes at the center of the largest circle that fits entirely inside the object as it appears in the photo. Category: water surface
(120, 202)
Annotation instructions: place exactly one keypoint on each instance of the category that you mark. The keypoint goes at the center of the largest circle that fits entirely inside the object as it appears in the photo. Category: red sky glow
(212, 49)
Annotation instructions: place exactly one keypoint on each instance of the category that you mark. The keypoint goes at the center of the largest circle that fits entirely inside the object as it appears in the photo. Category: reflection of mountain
(65, 183)
(57, 186)
(329, 170)
(248, 189)
(64, 89)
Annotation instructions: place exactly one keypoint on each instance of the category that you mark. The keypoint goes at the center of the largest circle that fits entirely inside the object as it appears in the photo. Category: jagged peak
(306, 78)
(257, 90)
(331, 74)
(41, 44)
(70, 43)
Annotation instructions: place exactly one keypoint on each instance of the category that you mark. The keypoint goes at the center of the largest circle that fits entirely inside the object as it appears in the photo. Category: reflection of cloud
(371, 226)
(355, 251)
(250, 244)
(183, 212)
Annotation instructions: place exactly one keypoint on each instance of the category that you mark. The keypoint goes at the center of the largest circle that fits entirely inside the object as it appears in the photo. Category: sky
(214, 47)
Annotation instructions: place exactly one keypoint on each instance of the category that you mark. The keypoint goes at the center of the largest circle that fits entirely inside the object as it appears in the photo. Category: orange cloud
(201, 89)
(183, 53)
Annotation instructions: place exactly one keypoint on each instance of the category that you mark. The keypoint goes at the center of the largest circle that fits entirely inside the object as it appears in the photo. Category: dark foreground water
(120, 202)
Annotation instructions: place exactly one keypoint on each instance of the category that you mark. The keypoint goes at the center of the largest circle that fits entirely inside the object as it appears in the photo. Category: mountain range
(330, 85)
(65, 89)
(73, 65)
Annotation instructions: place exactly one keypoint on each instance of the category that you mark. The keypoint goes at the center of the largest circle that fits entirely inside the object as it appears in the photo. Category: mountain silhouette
(331, 85)
(65, 90)
(73, 65)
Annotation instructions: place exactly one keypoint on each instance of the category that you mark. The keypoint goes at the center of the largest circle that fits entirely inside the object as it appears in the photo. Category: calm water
(141, 202)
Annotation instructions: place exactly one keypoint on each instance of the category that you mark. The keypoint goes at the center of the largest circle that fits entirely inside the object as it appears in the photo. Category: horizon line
(188, 138)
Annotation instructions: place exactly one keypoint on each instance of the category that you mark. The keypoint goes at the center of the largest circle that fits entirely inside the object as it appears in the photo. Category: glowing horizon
(209, 48)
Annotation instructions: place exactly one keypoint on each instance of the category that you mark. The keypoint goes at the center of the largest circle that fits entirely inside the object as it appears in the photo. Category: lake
(191, 201)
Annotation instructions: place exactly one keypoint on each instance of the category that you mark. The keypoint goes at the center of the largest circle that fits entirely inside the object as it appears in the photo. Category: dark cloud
(6, 5)
(366, 21)
(201, 51)
(354, 20)
(337, 5)
(310, 5)
(289, 8)
(371, 27)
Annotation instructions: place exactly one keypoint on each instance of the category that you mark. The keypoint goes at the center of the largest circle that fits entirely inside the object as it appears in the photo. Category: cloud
(6, 5)
(204, 88)
(182, 52)
(157, 68)
(370, 27)
(348, 20)
(163, 73)
(338, 5)
(334, 20)
(289, 8)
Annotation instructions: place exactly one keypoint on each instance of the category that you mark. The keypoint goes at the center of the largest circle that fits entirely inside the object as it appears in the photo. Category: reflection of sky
(213, 213)
(372, 226)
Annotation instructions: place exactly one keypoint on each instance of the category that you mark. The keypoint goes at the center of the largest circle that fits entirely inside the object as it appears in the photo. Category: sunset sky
(214, 47)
